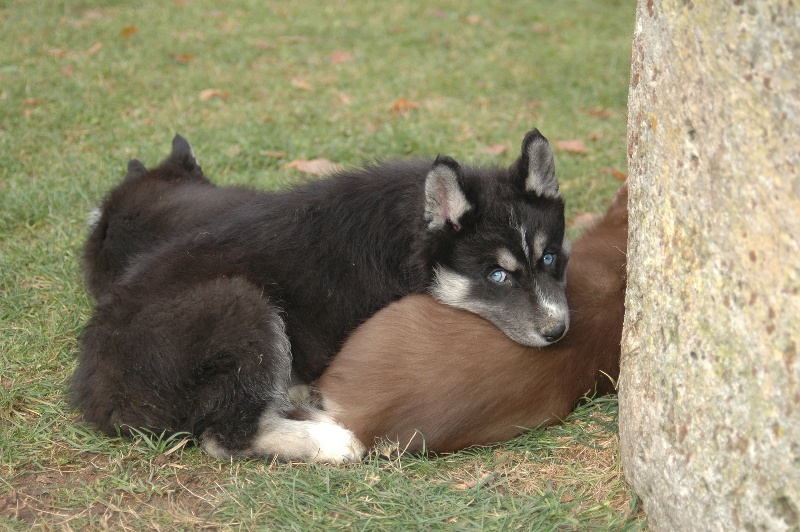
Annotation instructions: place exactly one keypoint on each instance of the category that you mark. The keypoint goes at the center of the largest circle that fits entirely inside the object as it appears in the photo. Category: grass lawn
(85, 85)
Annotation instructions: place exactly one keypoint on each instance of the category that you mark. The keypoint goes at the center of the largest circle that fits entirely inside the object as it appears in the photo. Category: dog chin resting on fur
(212, 301)
(432, 377)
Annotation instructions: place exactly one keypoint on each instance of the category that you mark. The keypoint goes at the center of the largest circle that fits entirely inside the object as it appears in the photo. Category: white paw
(336, 444)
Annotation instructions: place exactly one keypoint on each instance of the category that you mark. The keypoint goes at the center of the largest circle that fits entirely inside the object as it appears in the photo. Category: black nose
(555, 334)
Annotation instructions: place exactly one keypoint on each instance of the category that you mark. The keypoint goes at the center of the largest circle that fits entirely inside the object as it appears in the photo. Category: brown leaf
(58, 53)
(301, 84)
(207, 94)
(402, 105)
(496, 149)
(314, 166)
(227, 26)
(474, 19)
(617, 174)
(96, 47)
(344, 98)
(600, 112)
(184, 58)
(572, 146)
(338, 57)
(68, 70)
(128, 32)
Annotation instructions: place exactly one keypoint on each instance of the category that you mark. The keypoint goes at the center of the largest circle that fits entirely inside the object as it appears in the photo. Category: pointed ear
(182, 152)
(135, 169)
(445, 201)
(536, 166)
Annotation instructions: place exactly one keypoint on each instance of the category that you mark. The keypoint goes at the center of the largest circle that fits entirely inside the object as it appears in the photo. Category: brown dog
(435, 378)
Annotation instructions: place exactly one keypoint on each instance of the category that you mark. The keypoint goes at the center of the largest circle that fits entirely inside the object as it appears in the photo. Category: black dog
(210, 299)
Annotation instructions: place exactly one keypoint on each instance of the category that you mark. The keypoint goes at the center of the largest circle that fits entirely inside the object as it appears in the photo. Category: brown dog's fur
(435, 378)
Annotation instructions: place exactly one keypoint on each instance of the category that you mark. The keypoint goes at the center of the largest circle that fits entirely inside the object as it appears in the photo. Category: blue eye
(548, 259)
(498, 276)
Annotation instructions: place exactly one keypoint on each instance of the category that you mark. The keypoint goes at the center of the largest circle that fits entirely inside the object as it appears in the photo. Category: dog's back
(437, 378)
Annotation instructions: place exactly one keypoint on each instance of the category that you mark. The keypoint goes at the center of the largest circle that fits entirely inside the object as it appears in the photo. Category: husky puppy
(210, 300)
(435, 378)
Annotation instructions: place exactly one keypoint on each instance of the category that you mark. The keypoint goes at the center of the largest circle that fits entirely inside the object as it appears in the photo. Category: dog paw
(336, 444)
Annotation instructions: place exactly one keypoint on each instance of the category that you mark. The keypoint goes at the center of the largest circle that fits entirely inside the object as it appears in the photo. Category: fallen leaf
(617, 174)
(58, 53)
(301, 84)
(227, 26)
(128, 32)
(344, 98)
(207, 94)
(402, 105)
(338, 57)
(314, 166)
(147, 122)
(600, 112)
(572, 146)
(496, 149)
(32, 101)
(184, 58)
(68, 70)
(275, 154)
(474, 19)
(96, 47)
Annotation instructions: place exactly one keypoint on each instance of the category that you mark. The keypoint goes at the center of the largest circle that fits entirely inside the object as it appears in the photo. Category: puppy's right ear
(536, 166)
(135, 169)
(445, 201)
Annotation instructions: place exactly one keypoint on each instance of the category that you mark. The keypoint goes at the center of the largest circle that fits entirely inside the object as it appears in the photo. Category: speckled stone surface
(710, 384)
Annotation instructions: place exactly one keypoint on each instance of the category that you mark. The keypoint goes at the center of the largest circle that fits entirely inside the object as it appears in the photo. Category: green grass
(86, 85)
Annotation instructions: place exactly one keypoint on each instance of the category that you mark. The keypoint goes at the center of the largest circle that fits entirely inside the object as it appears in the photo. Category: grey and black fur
(211, 299)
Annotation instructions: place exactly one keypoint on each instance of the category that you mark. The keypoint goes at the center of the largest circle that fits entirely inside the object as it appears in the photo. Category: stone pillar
(710, 385)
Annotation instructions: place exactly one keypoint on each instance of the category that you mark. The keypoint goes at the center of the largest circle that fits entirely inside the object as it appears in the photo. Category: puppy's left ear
(135, 169)
(536, 168)
(183, 153)
(445, 201)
